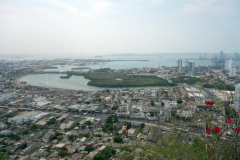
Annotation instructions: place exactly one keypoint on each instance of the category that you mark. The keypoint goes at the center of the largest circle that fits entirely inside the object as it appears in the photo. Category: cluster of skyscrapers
(223, 56)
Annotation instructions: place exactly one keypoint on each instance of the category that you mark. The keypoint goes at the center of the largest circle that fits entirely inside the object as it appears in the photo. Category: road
(115, 99)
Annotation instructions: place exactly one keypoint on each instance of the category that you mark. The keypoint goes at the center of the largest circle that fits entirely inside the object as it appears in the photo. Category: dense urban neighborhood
(52, 123)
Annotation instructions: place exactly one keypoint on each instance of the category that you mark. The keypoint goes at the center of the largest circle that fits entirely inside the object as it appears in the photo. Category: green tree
(110, 119)
(98, 135)
(83, 127)
(142, 125)
(77, 124)
(25, 131)
(8, 124)
(179, 101)
(34, 127)
(24, 145)
(163, 104)
(59, 138)
(110, 127)
(99, 157)
(118, 139)
(64, 148)
(104, 129)
(76, 150)
(17, 138)
(114, 107)
(88, 123)
(128, 125)
(72, 137)
(108, 152)
(152, 103)
(126, 148)
(62, 153)
(89, 148)
(51, 121)
(86, 135)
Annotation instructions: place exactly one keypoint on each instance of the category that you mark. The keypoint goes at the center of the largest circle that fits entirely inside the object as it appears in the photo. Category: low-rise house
(32, 148)
(41, 154)
(131, 131)
(62, 117)
(48, 136)
(59, 146)
(101, 148)
(67, 125)
(36, 137)
(82, 132)
(5, 132)
(77, 156)
(114, 145)
(83, 140)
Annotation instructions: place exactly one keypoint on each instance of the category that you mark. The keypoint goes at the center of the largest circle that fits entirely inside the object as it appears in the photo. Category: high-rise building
(222, 55)
(195, 71)
(180, 66)
(236, 56)
(232, 72)
(237, 97)
(228, 65)
(191, 69)
(174, 71)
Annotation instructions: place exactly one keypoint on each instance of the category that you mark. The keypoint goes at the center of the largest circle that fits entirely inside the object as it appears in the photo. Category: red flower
(228, 120)
(208, 131)
(217, 129)
(209, 102)
(238, 129)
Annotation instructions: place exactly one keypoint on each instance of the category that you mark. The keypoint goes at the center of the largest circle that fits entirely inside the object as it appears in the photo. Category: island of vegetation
(80, 68)
(109, 79)
(50, 67)
(65, 77)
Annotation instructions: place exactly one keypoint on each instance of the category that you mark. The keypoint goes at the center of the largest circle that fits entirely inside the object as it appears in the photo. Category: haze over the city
(126, 26)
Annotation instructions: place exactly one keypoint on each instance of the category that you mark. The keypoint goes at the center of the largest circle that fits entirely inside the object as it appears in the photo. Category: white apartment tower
(232, 72)
(237, 97)
(228, 65)
(180, 66)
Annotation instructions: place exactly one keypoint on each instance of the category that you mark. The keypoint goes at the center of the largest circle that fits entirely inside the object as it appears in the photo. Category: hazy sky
(119, 26)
